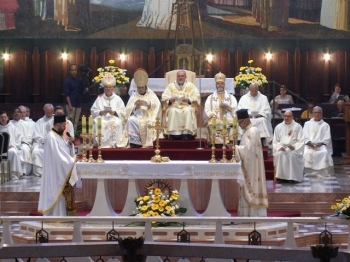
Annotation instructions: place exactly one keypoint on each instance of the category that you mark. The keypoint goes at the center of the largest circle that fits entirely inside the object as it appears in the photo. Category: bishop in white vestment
(180, 96)
(288, 149)
(253, 200)
(42, 128)
(112, 110)
(318, 150)
(219, 105)
(58, 162)
(141, 111)
(258, 109)
(13, 152)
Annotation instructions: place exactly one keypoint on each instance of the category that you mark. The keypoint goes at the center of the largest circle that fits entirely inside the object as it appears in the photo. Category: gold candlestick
(99, 155)
(224, 159)
(213, 160)
(157, 158)
(234, 160)
(91, 159)
(84, 159)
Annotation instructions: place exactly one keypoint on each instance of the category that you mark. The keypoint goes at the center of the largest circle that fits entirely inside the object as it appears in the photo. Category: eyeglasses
(240, 121)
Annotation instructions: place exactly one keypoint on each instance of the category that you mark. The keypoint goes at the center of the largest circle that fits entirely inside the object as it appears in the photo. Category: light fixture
(268, 56)
(64, 56)
(209, 57)
(122, 57)
(326, 56)
(6, 56)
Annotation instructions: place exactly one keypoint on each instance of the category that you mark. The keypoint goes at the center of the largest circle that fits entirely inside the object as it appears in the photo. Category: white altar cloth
(147, 170)
(205, 85)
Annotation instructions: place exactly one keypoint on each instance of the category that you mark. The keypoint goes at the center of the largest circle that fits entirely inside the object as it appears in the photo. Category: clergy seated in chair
(41, 129)
(318, 145)
(259, 112)
(288, 149)
(112, 110)
(26, 133)
(180, 100)
(141, 111)
(219, 105)
(14, 146)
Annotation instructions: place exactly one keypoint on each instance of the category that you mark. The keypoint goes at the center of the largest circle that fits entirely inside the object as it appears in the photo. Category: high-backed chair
(171, 77)
(4, 162)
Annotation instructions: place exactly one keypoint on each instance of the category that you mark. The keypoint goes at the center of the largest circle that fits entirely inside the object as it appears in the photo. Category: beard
(220, 90)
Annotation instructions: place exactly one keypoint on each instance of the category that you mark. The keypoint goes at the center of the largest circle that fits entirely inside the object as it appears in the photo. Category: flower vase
(244, 91)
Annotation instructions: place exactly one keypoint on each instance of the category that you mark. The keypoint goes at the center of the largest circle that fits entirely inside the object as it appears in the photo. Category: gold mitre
(220, 77)
(140, 77)
(108, 80)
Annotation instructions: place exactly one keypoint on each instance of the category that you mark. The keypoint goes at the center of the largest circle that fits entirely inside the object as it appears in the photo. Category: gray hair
(48, 106)
(317, 107)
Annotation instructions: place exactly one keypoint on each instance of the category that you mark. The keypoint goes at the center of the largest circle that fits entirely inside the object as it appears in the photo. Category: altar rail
(290, 240)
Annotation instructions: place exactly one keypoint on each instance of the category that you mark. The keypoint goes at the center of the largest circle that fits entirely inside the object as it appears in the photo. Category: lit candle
(213, 125)
(90, 125)
(83, 125)
(99, 125)
(234, 125)
(224, 126)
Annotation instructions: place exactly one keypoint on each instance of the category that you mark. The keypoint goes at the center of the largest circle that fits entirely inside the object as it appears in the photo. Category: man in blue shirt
(73, 90)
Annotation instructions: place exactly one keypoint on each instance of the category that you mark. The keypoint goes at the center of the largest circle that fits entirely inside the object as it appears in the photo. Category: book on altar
(143, 103)
(292, 109)
(178, 98)
(107, 108)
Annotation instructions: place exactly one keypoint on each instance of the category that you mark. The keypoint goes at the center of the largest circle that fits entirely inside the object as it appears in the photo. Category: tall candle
(90, 125)
(99, 125)
(234, 125)
(224, 126)
(83, 125)
(213, 125)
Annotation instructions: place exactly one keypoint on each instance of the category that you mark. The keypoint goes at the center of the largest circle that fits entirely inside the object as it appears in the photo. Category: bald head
(253, 88)
(288, 117)
(340, 105)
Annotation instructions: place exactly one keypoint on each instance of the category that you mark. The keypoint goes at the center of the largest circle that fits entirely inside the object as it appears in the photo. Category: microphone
(70, 142)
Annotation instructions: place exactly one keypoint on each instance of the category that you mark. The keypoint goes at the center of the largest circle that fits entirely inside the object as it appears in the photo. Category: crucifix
(157, 158)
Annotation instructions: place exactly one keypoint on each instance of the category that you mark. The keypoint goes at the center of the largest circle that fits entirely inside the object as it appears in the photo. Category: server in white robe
(318, 150)
(14, 149)
(112, 110)
(253, 200)
(42, 128)
(56, 194)
(219, 105)
(259, 111)
(180, 96)
(27, 141)
(141, 111)
(288, 149)
(25, 116)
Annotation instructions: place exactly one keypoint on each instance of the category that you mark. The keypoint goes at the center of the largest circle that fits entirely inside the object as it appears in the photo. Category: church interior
(305, 57)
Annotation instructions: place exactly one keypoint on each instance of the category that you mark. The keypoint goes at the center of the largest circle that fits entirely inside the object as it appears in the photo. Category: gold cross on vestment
(157, 127)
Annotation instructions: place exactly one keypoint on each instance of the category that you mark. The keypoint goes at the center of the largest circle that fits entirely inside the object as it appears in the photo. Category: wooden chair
(171, 77)
(5, 172)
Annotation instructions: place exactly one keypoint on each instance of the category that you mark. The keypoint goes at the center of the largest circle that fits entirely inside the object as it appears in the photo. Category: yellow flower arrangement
(118, 73)
(248, 75)
(342, 206)
(158, 203)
